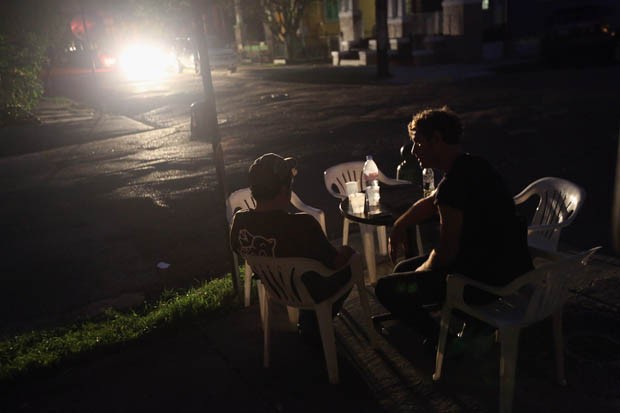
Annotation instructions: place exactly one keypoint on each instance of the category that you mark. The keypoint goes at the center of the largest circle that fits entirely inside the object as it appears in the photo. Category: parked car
(219, 57)
(582, 34)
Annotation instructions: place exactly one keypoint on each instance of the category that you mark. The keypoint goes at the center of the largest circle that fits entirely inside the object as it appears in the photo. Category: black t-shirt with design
(281, 234)
(493, 245)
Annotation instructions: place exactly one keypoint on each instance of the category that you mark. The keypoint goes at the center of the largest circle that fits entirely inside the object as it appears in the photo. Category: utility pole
(382, 38)
(211, 130)
(616, 208)
(87, 38)
(239, 26)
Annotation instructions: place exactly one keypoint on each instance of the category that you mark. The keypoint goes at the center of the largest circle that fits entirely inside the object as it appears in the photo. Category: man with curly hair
(480, 234)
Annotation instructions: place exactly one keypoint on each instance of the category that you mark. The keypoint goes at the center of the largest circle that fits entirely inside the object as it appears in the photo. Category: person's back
(269, 230)
(280, 234)
(493, 245)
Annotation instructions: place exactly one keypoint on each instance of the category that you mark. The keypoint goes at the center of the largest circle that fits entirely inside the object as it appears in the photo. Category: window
(394, 4)
(331, 10)
(485, 4)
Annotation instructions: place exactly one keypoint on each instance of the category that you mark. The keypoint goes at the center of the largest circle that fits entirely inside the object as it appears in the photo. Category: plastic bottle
(370, 172)
(428, 181)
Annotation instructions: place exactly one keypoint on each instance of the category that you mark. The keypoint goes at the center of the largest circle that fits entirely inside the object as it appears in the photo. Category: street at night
(152, 190)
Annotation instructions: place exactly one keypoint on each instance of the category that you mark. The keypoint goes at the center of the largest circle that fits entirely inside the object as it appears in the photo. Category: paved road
(90, 211)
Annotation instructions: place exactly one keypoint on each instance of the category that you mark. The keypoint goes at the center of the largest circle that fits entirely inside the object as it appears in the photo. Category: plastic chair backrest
(559, 202)
(242, 200)
(549, 285)
(336, 176)
(239, 200)
(282, 278)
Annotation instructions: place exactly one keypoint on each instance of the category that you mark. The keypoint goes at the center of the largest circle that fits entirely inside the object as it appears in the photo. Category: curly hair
(442, 120)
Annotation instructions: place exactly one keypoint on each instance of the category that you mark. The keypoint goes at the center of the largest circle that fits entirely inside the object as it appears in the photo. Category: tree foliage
(283, 18)
(20, 67)
(28, 29)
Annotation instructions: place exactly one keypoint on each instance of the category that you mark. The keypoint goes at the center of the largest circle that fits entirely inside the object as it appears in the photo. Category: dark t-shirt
(493, 245)
(281, 234)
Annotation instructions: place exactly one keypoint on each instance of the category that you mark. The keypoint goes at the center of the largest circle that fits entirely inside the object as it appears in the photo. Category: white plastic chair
(531, 297)
(283, 284)
(335, 178)
(242, 200)
(558, 205)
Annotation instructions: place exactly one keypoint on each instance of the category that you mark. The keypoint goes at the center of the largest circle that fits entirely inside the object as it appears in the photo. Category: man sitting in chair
(270, 230)
(480, 235)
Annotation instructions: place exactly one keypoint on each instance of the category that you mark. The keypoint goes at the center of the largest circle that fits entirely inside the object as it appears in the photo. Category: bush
(21, 62)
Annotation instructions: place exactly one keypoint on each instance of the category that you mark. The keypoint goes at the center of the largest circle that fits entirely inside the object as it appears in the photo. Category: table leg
(382, 240)
(368, 240)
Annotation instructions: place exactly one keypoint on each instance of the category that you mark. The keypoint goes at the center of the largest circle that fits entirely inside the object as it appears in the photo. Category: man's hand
(419, 212)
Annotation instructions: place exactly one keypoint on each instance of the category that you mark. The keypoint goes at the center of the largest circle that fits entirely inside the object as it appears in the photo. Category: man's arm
(322, 248)
(419, 212)
(451, 226)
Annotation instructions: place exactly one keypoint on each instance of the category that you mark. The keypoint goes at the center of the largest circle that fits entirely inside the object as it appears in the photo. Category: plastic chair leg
(326, 327)
(509, 338)
(368, 240)
(247, 284)
(382, 240)
(293, 316)
(446, 313)
(261, 300)
(559, 346)
(345, 231)
(266, 333)
(236, 275)
(372, 333)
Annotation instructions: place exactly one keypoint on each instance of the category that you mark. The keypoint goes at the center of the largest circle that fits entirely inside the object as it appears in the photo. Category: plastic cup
(351, 187)
(372, 192)
(357, 201)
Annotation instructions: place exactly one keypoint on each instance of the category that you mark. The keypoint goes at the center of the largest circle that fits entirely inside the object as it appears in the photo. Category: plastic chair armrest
(459, 281)
(392, 181)
(546, 254)
(542, 228)
(524, 195)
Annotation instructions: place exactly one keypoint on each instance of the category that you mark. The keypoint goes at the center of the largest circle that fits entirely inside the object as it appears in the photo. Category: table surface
(395, 199)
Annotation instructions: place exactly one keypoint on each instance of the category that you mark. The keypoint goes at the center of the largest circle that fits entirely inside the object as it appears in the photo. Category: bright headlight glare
(145, 62)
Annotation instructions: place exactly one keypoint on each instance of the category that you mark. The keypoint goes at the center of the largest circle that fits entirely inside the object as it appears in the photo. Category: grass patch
(37, 350)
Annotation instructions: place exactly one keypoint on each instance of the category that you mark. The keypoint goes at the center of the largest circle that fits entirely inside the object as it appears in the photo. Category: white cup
(351, 187)
(357, 201)
(373, 195)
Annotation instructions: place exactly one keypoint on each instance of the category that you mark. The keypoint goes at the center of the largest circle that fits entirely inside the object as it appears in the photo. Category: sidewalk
(218, 367)
(64, 122)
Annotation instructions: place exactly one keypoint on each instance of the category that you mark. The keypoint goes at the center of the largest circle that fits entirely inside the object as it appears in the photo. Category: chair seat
(282, 281)
(506, 311)
(529, 298)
